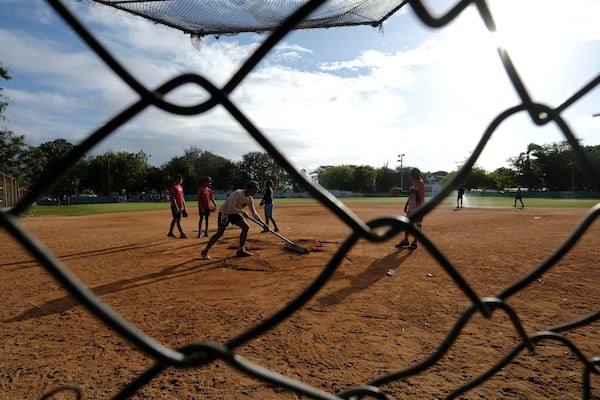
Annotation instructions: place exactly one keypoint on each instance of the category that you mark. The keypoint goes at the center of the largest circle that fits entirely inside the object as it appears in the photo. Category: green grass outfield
(105, 208)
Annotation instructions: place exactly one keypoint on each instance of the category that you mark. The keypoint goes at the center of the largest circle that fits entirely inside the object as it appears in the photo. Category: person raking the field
(231, 212)
(416, 197)
(205, 198)
(267, 201)
(177, 206)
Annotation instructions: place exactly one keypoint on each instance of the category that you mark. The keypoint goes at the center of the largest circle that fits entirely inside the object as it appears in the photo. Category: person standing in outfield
(459, 196)
(267, 201)
(205, 198)
(231, 212)
(416, 198)
(177, 206)
(519, 196)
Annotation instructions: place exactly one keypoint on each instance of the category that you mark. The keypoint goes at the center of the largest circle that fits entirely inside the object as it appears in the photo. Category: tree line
(550, 167)
(117, 172)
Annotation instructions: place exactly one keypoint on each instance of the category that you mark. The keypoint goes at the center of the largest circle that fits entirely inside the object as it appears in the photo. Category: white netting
(214, 17)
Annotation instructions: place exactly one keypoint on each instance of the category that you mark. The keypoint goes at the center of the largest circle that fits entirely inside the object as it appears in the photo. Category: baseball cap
(252, 184)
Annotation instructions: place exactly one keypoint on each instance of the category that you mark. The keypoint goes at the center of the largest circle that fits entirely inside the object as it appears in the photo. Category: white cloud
(431, 101)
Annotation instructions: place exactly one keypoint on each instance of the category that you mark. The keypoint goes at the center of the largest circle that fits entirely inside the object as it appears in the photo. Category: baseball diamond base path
(362, 324)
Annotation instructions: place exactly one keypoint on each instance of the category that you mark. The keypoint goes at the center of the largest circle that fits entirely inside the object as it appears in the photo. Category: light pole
(109, 175)
(401, 172)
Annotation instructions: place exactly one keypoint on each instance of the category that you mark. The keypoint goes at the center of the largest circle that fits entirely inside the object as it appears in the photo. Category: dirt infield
(362, 324)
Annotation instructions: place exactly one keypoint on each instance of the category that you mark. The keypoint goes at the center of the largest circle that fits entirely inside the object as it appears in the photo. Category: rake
(288, 243)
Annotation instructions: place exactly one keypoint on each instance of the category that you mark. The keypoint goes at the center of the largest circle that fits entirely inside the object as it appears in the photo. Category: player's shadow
(34, 263)
(69, 301)
(376, 271)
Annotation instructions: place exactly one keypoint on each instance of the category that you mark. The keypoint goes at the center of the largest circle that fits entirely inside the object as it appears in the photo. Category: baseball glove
(395, 191)
(213, 209)
(184, 213)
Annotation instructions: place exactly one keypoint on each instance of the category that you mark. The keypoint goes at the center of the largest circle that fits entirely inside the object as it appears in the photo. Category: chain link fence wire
(199, 354)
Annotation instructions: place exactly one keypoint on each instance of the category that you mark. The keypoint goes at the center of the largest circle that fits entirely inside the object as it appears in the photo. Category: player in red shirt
(177, 206)
(205, 198)
(416, 197)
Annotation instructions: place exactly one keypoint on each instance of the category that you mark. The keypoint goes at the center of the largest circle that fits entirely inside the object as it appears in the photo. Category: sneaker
(265, 230)
(182, 236)
(199, 235)
(243, 253)
(403, 243)
(204, 254)
(413, 246)
(276, 229)
(206, 234)
(170, 234)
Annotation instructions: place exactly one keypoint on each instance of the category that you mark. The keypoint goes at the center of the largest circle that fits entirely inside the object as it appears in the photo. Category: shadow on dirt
(373, 273)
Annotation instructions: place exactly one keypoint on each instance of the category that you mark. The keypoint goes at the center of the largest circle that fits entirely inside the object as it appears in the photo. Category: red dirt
(360, 325)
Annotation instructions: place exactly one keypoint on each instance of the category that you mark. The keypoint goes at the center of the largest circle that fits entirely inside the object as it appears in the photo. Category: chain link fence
(199, 354)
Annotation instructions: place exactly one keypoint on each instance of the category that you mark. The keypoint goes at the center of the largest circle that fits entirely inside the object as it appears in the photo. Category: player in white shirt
(232, 212)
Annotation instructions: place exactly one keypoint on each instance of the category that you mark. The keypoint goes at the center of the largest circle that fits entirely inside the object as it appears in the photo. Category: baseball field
(383, 309)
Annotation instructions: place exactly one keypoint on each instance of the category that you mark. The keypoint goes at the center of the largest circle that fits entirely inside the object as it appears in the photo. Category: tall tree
(364, 178)
(559, 166)
(225, 173)
(503, 178)
(47, 155)
(12, 152)
(587, 181)
(196, 164)
(118, 172)
(337, 177)
(386, 179)
(12, 146)
(261, 166)
(3, 99)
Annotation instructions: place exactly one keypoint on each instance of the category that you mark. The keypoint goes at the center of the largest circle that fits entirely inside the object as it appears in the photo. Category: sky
(346, 95)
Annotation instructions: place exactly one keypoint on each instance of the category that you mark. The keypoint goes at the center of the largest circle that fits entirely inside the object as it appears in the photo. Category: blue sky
(354, 95)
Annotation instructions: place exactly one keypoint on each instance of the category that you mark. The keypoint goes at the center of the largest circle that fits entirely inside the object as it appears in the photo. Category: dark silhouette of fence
(198, 354)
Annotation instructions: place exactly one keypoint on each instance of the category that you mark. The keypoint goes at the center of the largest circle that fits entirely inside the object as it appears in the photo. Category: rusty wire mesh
(198, 354)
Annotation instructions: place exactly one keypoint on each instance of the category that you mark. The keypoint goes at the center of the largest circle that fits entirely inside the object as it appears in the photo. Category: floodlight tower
(401, 156)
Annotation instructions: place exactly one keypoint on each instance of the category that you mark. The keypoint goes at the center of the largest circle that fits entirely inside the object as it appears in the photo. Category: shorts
(269, 210)
(226, 219)
(410, 213)
(204, 211)
(176, 214)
